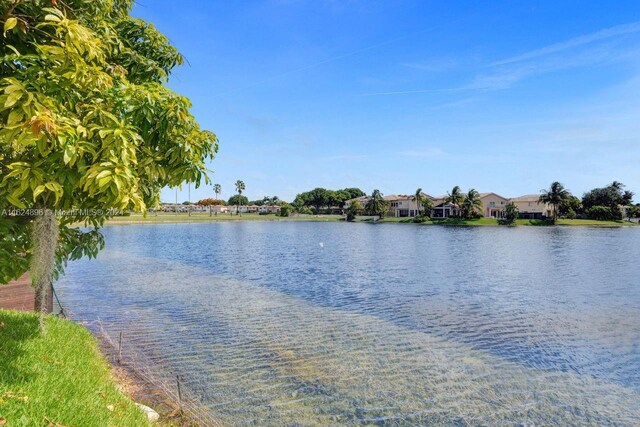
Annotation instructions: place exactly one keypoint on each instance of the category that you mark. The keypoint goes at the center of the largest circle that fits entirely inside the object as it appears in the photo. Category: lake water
(303, 323)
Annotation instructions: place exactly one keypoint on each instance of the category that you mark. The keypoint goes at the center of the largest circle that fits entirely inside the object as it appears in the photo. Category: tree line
(599, 203)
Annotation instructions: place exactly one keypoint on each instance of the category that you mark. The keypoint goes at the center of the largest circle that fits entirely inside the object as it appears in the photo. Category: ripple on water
(257, 354)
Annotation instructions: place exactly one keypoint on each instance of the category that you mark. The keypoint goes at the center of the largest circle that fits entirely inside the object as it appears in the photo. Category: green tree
(217, 189)
(510, 213)
(237, 200)
(240, 187)
(85, 123)
(354, 209)
(285, 209)
(554, 196)
(633, 212)
(455, 197)
(376, 205)
(570, 207)
(612, 196)
(418, 198)
(471, 205)
(316, 198)
(354, 192)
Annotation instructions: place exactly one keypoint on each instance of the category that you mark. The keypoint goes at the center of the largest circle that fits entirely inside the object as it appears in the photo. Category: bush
(421, 219)
(601, 213)
(305, 211)
(285, 210)
(571, 214)
(510, 214)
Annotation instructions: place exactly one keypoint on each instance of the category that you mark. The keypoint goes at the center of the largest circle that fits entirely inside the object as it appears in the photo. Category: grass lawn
(163, 217)
(596, 223)
(57, 379)
(198, 217)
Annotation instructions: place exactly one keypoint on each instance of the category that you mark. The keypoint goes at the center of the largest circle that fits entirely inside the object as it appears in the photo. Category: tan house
(493, 205)
(529, 207)
(269, 209)
(403, 206)
(400, 206)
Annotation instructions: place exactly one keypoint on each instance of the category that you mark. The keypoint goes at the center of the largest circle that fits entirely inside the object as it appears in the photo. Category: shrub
(285, 210)
(599, 213)
(510, 214)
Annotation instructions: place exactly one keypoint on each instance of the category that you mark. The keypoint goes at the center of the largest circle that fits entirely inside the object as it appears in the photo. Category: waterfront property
(493, 206)
(529, 207)
(444, 209)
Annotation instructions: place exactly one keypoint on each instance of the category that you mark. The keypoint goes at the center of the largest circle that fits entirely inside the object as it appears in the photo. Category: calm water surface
(295, 323)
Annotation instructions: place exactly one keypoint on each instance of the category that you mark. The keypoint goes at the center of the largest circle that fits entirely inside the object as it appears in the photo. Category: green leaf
(39, 189)
(15, 116)
(15, 202)
(52, 18)
(9, 24)
(12, 99)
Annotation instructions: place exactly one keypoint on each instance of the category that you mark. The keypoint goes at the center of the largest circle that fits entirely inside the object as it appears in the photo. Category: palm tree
(471, 203)
(418, 198)
(510, 213)
(217, 188)
(455, 197)
(376, 205)
(554, 196)
(240, 187)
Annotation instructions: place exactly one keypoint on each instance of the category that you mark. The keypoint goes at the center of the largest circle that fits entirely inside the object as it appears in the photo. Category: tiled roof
(526, 198)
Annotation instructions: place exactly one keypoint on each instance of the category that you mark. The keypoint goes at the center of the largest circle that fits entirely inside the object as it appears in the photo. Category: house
(400, 206)
(529, 207)
(493, 205)
(403, 206)
(219, 208)
(245, 209)
(362, 200)
(444, 209)
(269, 209)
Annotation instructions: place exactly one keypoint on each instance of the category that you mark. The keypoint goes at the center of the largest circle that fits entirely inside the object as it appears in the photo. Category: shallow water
(393, 324)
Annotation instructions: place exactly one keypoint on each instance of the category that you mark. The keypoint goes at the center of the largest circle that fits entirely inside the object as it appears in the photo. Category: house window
(492, 204)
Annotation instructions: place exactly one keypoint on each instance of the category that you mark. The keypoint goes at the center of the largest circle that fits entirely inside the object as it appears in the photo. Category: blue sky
(502, 96)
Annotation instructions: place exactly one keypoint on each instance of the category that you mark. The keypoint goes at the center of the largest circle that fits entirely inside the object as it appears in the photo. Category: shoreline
(138, 219)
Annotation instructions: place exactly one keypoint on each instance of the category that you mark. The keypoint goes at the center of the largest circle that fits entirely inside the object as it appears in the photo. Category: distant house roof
(483, 195)
(527, 198)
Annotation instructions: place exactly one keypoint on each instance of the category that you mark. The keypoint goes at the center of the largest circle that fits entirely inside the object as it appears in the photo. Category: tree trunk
(44, 299)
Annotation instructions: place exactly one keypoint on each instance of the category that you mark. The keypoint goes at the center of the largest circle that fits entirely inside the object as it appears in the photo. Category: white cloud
(606, 33)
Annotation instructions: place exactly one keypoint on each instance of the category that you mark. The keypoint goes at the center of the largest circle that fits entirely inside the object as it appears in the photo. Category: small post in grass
(178, 381)
(120, 348)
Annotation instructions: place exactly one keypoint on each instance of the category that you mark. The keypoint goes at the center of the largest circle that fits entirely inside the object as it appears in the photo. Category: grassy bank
(161, 218)
(168, 218)
(520, 222)
(58, 378)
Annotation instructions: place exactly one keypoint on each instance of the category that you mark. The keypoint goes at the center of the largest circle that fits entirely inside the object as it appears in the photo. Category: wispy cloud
(433, 66)
(604, 34)
(591, 49)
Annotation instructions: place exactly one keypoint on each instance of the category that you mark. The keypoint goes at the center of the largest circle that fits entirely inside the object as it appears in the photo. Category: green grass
(58, 378)
(200, 217)
(597, 223)
(163, 217)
